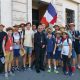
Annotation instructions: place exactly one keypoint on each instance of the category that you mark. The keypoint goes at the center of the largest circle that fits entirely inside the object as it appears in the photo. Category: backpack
(6, 39)
(67, 41)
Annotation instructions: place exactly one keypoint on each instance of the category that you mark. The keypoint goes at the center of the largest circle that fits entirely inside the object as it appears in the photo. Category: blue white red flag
(50, 16)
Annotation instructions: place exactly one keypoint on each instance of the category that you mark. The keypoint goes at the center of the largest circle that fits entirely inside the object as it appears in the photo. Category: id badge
(11, 48)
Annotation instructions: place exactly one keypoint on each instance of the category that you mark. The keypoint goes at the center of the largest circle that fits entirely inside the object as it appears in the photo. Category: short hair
(28, 23)
(2, 25)
(9, 28)
(22, 25)
(16, 26)
(39, 25)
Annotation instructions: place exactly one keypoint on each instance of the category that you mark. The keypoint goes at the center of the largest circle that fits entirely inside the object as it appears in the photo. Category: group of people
(41, 46)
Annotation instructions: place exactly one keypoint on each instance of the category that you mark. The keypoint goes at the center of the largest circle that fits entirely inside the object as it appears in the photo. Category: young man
(50, 48)
(71, 33)
(57, 56)
(28, 42)
(2, 34)
(8, 51)
(66, 53)
(16, 45)
(22, 51)
(34, 28)
(56, 27)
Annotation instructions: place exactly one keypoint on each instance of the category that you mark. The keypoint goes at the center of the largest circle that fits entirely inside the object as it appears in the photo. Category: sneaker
(56, 71)
(6, 75)
(66, 73)
(12, 74)
(78, 67)
(49, 70)
(29, 68)
(24, 68)
(70, 73)
(17, 69)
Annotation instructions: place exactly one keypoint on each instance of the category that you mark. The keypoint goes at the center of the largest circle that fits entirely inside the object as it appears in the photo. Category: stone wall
(19, 11)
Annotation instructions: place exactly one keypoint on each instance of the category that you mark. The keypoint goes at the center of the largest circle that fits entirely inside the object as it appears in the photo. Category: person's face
(72, 28)
(64, 35)
(44, 26)
(34, 27)
(49, 30)
(62, 29)
(16, 28)
(40, 29)
(56, 28)
(58, 35)
(28, 26)
(49, 35)
(20, 29)
(9, 32)
(1, 28)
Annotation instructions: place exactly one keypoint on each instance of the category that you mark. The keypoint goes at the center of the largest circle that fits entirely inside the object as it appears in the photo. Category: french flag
(50, 16)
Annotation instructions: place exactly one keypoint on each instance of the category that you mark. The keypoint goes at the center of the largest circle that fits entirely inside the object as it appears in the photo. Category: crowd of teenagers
(27, 46)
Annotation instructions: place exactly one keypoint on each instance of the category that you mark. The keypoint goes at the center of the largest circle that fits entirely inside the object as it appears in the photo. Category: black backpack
(6, 39)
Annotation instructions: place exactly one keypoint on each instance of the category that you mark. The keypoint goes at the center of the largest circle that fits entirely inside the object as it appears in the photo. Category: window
(35, 16)
(70, 16)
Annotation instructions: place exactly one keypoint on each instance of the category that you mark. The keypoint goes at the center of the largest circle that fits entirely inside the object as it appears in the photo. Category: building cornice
(77, 1)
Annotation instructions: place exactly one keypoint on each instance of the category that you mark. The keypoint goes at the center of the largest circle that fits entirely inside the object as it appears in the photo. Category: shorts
(73, 53)
(16, 52)
(49, 55)
(28, 50)
(79, 48)
(9, 56)
(57, 55)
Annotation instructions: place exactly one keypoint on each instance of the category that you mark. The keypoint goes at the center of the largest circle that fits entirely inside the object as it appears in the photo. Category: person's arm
(70, 48)
(3, 47)
(44, 42)
(54, 47)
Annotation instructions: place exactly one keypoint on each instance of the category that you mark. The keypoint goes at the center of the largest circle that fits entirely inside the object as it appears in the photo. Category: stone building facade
(19, 11)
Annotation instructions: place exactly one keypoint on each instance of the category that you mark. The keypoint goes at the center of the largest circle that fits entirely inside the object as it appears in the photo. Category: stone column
(78, 27)
(29, 11)
(6, 12)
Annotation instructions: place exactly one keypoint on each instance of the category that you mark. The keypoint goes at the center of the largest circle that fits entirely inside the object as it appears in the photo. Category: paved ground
(32, 75)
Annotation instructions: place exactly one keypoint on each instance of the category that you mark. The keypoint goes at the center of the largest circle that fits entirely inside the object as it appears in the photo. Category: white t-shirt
(29, 35)
(65, 48)
(16, 36)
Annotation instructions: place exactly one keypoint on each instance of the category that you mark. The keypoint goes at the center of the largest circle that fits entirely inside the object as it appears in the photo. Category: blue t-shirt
(50, 44)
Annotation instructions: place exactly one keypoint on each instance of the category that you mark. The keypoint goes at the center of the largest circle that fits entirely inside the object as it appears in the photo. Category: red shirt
(9, 44)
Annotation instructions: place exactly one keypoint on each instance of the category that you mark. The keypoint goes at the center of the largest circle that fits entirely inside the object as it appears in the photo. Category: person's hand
(46, 52)
(5, 54)
(43, 46)
(53, 52)
(69, 56)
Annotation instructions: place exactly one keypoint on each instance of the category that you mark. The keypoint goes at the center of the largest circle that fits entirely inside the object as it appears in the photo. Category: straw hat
(65, 32)
(58, 32)
(71, 24)
(56, 26)
(22, 25)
